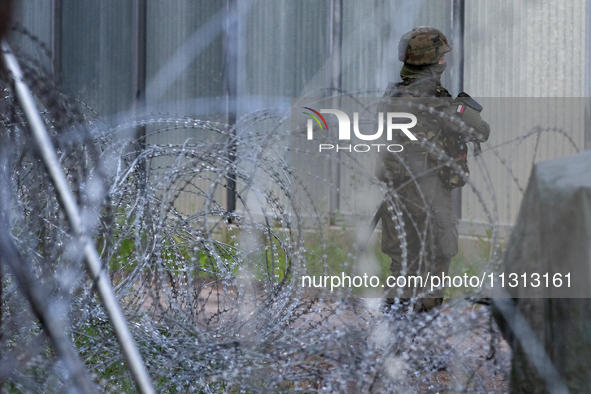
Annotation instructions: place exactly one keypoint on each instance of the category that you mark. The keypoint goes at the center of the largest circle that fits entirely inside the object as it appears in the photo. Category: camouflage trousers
(419, 234)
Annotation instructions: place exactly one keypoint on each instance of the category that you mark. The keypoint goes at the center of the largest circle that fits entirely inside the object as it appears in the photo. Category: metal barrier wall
(286, 49)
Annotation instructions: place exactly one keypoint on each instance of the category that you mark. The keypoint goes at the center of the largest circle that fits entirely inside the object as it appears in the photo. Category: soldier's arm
(380, 170)
(468, 122)
(386, 165)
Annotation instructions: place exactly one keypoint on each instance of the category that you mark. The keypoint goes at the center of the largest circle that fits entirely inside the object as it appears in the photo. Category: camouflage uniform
(419, 178)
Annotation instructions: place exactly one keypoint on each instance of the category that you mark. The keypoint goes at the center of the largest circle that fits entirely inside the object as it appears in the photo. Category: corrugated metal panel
(284, 48)
(523, 49)
(36, 17)
(170, 24)
(513, 48)
(282, 53)
(508, 157)
(286, 55)
(520, 48)
(197, 91)
(372, 30)
(97, 53)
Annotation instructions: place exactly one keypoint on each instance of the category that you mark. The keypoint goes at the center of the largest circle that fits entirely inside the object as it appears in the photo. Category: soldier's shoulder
(426, 92)
(442, 92)
(419, 88)
(429, 87)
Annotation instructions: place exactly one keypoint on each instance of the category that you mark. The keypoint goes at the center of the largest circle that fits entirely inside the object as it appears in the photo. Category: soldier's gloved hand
(482, 132)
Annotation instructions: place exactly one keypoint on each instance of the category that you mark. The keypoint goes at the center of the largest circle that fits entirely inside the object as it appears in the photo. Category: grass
(267, 262)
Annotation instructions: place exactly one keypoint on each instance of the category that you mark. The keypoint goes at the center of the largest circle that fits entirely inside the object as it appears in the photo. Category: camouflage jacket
(438, 132)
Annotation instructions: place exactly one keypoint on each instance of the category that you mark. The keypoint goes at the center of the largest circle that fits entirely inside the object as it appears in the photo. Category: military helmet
(422, 45)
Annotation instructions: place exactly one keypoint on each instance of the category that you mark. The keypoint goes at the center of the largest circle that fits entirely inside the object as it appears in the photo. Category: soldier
(419, 227)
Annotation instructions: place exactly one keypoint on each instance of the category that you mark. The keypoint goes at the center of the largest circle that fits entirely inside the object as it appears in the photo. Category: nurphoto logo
(393, 122)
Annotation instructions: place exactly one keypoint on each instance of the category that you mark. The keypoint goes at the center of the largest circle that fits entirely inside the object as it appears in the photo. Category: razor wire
(211, 297)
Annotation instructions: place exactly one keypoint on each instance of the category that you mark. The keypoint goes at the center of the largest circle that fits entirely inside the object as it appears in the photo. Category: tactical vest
(427, 99)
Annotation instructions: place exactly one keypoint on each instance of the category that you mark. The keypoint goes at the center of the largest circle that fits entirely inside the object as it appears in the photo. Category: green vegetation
(473, 264)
